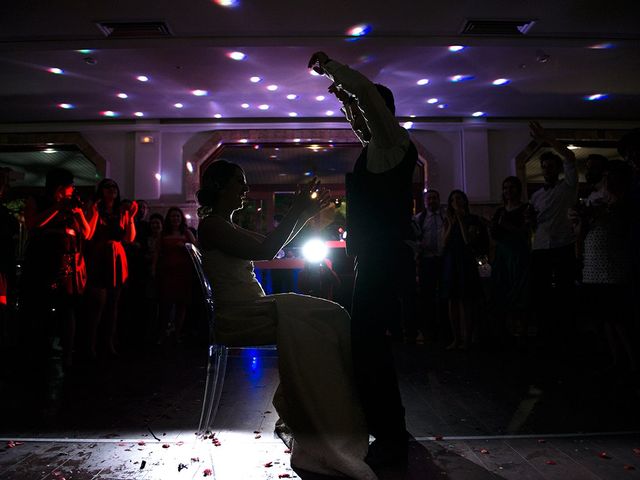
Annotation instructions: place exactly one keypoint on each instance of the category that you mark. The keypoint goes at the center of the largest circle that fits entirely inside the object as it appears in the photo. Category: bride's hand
(310, 199)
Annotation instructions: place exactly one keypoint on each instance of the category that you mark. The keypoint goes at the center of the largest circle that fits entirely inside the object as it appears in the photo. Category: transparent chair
(218, 353)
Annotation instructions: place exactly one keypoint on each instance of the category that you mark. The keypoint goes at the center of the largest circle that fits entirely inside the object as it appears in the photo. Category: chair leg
(216, 370)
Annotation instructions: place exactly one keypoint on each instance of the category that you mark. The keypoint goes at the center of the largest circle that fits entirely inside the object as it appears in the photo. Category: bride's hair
(215, 177)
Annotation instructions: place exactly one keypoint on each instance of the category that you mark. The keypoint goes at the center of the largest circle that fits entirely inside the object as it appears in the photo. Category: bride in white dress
(316, 397)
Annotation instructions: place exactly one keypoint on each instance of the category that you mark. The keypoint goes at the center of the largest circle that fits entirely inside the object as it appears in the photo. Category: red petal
(484, 450)
(207, 472)
(166, 445)
(268, 464)
(604, 455)
(141, 443)
(550, 462)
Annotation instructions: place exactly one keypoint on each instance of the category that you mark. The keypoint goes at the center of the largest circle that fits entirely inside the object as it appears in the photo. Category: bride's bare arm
(216, 232)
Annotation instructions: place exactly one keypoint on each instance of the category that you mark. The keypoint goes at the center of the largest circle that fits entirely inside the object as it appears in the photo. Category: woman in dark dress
(465, 237)
(54, 273)
(511, 229)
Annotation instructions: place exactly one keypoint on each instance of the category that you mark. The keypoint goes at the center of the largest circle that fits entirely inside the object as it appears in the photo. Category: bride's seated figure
(316, 397)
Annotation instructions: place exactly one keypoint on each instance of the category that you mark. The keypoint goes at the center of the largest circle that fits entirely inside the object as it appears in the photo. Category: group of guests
(561, 249)
(102, 267)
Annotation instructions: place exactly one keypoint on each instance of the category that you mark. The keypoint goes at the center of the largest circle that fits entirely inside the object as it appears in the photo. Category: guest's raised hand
(317, 61)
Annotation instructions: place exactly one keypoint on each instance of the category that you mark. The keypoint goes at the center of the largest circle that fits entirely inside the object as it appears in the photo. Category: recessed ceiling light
(273, 156)
(245, 105)
(460, 78)
(293, 114)
(158, 176)
(501, 81)
(56, 70)
(423, 81)
(256, 147)
(255, 79)
(432, 100)
(478, 114)
(190, 167)
(320, 98)
(122, 95)
(443, 105)
(573, 147)
(272, 88)
(263, 107)
(66, 106)
(243, 140)
(412, 116)
(407, 125)
(217, 115)
(142, 78)
(329, 113)
(296, 140)
(178, 105)
(456, 48)
(84, 51)
(292, 96)
(109, 113)
(596, 96)
(199, 93)
(359, 30)
(49, 150)
(236, 56)
(139, 114)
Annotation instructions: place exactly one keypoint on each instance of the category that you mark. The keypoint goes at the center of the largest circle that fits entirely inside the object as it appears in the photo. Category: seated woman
(316, 397)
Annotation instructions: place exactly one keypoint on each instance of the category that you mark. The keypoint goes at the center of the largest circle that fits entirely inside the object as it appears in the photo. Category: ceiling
(551, 69)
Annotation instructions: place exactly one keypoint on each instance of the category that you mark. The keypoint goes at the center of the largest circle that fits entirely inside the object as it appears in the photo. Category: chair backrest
(207, 293)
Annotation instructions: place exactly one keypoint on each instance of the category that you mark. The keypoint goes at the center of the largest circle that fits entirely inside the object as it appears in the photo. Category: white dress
(316, 397)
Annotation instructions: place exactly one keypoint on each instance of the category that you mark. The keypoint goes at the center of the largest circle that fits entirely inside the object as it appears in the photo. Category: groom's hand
(317, 62)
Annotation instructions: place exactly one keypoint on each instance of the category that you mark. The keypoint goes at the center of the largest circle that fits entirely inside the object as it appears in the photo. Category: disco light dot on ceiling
(65, 106)
(432, 100)
(456, 48)
(109, 113)
(423, 81)
(139, 114)
(293, 114)
(217, 115)
(460, 78)
(238, 56)
(122, 95)
(255, 79)
(227, 3)
(142, 78)
(359, 30)
(320, 98)
(500, 81)
(243, 140)
(199, 93)
(329, 113)
(272, 88)
(245, 105)
(478, 114)
(596, 96)
(292, 96)
(263, 107)
(178, 105)
(55, 70)
(443, 105)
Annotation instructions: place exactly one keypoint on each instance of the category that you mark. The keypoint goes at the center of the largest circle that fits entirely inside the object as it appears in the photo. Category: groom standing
(379, 208)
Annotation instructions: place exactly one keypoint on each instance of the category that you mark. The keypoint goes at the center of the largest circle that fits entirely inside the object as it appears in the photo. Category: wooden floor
(479, 415)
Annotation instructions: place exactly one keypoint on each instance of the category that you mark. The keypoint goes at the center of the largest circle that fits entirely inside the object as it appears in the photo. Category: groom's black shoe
(385, 453)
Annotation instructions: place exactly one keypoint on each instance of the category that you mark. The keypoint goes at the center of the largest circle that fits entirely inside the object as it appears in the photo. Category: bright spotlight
(315, 250)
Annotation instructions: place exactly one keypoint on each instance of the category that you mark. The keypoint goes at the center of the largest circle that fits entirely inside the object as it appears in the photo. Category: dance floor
(485, 414)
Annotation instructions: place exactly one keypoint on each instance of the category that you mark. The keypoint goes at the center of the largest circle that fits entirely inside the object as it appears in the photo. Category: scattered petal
(268, 464)
(287, 450)
(484, 450)
(166, 445)
(604, 455)
(195, 459)
(257, 431)
(207, 472)
(258, 436)
(284, 475)
(181, 466)
(141, 443)
(142, 464)
(180, 443)
(550, 462)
